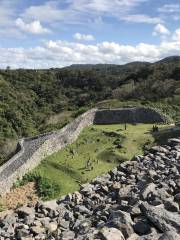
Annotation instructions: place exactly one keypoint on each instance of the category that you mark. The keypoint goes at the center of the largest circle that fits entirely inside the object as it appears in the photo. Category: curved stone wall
(33, 150)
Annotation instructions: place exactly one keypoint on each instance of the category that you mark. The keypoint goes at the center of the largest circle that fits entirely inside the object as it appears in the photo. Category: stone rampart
(128, 115)
(33, 150)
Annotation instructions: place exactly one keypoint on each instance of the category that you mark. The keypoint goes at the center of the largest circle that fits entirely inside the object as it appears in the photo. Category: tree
(8, 68)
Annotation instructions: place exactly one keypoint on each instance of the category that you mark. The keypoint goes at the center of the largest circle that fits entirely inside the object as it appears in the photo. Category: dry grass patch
(20, 196)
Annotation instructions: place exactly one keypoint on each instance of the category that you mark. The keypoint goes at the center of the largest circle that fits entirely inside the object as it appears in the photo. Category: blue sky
(42, 34)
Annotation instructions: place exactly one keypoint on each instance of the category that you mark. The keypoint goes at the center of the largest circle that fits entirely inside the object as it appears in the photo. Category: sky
(57, 33)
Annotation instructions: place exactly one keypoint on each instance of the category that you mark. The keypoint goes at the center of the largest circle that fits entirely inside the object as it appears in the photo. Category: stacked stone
(138, 200)
(35, 149)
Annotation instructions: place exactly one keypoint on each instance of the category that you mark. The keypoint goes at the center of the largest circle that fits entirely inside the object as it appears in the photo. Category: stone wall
(33, 150)
(128, 115)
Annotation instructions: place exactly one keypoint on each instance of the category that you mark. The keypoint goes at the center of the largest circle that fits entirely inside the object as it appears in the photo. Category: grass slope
(103, 145)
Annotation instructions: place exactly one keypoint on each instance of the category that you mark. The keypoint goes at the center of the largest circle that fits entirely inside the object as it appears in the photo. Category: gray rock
(63, 224)
(142, 228)
(122, 221)
(125, 192)
(170, 235)
(86, 189)
(37, 230)
(148, 191)
(21, 233)
(177, 198)
(68, 235)
(26, 211)
(174, 141)
(161, 218)
(9, 219)
(135, 211)
(134, 236)
(45, 221)
(52, 227)
(152, 236)
(26, 238)
(111, 233)
(50, 205)
(82, 209)
(163, 194)
(82, 227)
(160, 149)
(171, 206)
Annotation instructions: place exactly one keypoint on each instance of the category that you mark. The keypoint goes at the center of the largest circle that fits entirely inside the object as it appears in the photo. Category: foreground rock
(138, 200)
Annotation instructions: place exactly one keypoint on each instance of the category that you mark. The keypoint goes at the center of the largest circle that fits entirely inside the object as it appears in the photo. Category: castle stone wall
(128, 115)
(33, 150)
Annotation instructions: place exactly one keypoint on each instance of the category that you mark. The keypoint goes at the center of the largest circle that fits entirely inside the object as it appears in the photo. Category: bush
(46, 188)
(79, 112)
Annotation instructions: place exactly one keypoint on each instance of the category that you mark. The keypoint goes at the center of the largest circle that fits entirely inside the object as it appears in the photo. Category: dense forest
(37, 101)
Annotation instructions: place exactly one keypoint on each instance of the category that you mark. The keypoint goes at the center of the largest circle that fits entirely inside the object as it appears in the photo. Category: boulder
(171, 206)
(170, 235)
(26, 211)
(159, 149)
(174, 141)
(149, 191)
(111, 233)
(52, 227)
(122, 221)
(161, 218)
(68, 235)
(36, 230)
(142, 228)
(82, 209)
(50, 205)
(177, 198)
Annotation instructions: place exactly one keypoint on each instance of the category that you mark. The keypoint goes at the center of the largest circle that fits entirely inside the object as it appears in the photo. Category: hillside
(37, 101)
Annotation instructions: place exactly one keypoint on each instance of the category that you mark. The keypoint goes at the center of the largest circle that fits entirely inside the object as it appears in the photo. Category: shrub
(79, 112)
(46, 188)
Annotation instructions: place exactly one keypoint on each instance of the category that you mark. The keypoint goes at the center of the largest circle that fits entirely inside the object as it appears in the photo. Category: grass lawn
(98, 149)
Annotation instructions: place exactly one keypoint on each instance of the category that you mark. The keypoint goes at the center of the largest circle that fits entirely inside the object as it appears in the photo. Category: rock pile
(139, 199)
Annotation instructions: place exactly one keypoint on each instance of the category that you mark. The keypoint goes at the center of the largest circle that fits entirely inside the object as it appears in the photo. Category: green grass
(103, 145)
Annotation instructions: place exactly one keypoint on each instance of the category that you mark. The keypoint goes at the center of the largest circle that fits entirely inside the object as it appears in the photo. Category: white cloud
(62, 53)
(84, 37)
(34, 27)
(7, 12)
(160, 29)
(176, 35)
(170, 8)
(80, 11)
(141, 18)
(105, 5)
(48, 12)
(57, 13)
(176, 17)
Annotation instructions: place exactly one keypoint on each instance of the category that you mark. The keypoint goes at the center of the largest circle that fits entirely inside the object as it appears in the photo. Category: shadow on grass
(66, 169)
(163, 135)
(81, 169)
(109, 156)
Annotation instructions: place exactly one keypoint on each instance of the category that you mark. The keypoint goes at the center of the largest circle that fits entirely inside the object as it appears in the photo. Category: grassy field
(98, 149)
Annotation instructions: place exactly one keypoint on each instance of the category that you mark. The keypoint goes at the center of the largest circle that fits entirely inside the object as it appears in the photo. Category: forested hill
(29, 97)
